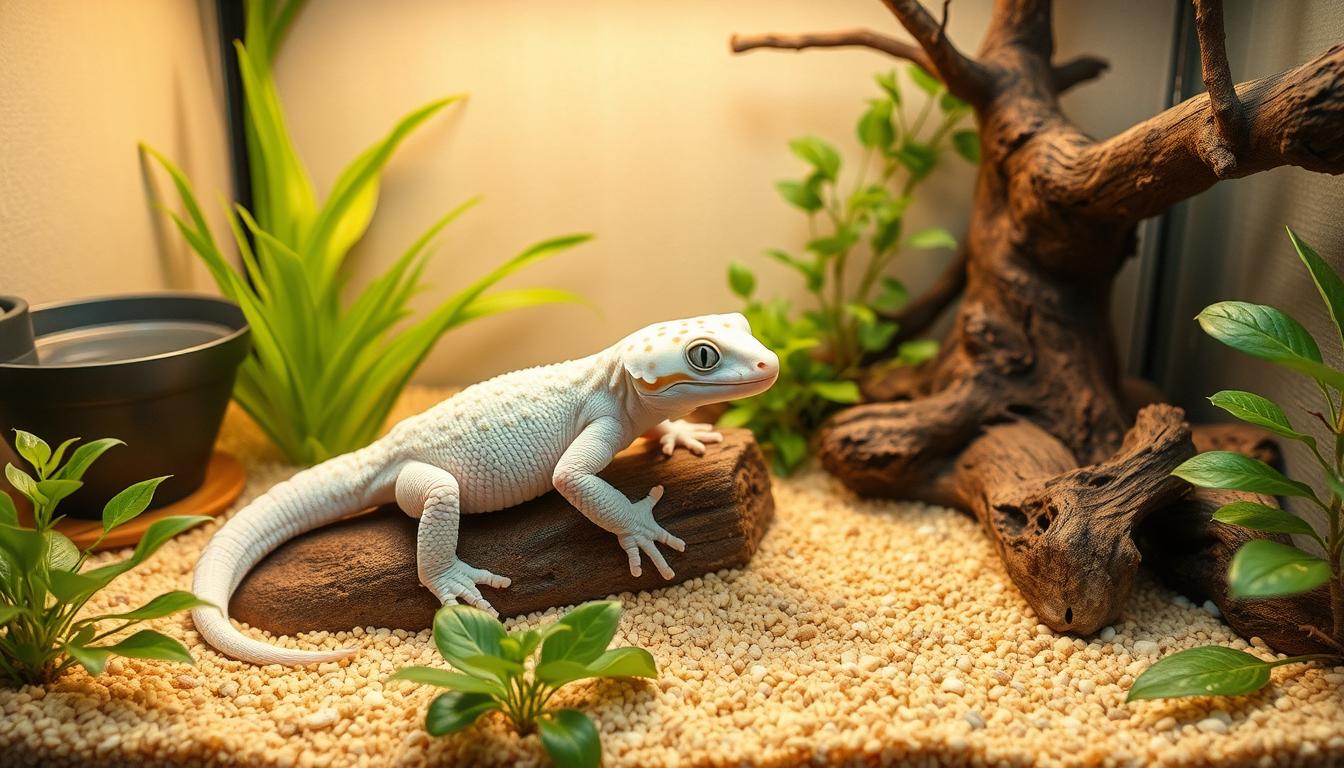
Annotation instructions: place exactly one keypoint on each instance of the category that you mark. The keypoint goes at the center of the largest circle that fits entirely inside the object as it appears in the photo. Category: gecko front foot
(458, 583)
(689, 435)
(642, 533)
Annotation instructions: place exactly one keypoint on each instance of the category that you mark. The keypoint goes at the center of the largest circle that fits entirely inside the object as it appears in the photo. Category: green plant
(493, 674)
(1262, 568)
(854, 237)
(43, 584)
(325, 374)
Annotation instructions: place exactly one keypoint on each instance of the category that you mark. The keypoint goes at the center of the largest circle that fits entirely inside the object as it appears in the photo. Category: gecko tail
(312, 498)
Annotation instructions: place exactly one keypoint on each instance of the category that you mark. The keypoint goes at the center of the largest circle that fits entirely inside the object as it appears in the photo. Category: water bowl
(155, 371)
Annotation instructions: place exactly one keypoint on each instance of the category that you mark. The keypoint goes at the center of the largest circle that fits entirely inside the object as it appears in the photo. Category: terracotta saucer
(224, 481)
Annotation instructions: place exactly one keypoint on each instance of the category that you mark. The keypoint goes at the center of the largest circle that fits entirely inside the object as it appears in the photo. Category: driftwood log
(1023, 417)
(361, 571)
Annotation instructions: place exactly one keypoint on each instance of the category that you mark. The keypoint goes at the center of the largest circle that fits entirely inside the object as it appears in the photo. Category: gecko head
(683, 364)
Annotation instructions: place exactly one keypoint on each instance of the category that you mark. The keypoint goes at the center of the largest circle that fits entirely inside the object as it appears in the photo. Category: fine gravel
(862, 632)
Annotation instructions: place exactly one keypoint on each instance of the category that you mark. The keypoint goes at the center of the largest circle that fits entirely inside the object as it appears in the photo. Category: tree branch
(964, 77)
(847, 38)
(1229, 126)
(1077, 71)
(1292, 118)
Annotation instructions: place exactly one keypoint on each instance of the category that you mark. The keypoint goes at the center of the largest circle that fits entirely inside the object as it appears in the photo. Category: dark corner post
(231, 27)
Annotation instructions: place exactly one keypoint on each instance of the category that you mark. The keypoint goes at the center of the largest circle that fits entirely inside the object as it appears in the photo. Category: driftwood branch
(963, 76)
(361, 571)
(1077, 71)
(1229, 128)
(1292, 118)
(847, 38)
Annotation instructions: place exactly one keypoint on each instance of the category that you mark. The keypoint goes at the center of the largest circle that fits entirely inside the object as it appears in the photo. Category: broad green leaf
(916, 351)
(1269, 334)
(624, 662)
(1208, 671)
(800, 194)
(874, 336)
(158, 534)
(58, 455)
(512, 649)
(9, 514)
(837, 391)
(1327, 281)
(570, 739)
(741, 279)
(889, 83)
(528, 640)
(62, 554)
(933, 237)
(56, 490)
(25, 547)
(9, 612)
(1259, 517)
(462, 632)
(919, 159)
(558, 673)
(128, 504)
(70, 587)
(1233, 471)
(33, 449)
(164, 605)
(812, 273)
(967, 144)
(593, 626)
(24, 483)
(501, 668)
(790, 448)
(442, 678)
(951, 104)
(84, 456)
(874, 128)
(1263, 568)
(737, 415)
(892, 296)
(145, 644)
(451, 712)
(925, 81)
(1260, 411)
(820, 155)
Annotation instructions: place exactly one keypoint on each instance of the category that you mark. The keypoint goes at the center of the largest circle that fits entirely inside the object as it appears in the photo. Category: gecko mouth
(718, 383)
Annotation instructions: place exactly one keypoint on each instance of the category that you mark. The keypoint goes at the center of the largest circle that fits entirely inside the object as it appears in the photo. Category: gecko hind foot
(458, 584)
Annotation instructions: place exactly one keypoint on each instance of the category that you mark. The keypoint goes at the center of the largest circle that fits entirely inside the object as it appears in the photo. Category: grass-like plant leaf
(1263, 568)
(1327, 282)
(325, 373)
(1233, 471)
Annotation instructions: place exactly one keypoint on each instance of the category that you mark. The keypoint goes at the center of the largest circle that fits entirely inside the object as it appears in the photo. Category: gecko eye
(703, 355)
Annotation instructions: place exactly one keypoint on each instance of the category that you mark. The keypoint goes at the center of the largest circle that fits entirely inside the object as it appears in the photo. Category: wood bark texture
(1023, 417)
(361, 571)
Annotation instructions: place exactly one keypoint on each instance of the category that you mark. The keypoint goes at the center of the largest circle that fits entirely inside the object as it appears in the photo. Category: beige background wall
(81, 83)
(628, 120)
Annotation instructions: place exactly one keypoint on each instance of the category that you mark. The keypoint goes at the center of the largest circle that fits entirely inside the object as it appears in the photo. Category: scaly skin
(495, 445)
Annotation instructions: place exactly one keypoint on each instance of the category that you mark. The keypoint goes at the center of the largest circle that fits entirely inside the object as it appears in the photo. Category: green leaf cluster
(517, 673)
(324, 372)
(43, 582)
(1264, 568)
(856, 231)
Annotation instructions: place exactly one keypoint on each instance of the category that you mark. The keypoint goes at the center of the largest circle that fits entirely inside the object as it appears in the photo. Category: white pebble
(975, 719)
(1212, 609)
(1107, 634)
(1212, 725)
(1145, 647)
(953, 684)
(321, 718)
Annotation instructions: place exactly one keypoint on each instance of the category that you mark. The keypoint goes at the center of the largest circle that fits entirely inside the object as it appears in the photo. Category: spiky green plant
(325, 373)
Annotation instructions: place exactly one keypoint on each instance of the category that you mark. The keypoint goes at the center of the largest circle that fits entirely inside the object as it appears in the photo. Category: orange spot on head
(648, 348)
(661, 381)
(654, 366)
(676, 339)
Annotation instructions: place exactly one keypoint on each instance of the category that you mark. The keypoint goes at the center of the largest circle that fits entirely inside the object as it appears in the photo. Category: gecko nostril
(761, 364)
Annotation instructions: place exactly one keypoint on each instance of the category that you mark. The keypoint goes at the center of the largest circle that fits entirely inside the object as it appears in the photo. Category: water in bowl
(130, 340)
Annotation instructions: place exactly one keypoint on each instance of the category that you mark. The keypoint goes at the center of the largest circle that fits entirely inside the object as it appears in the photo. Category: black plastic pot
(16, 331)
(155, 371)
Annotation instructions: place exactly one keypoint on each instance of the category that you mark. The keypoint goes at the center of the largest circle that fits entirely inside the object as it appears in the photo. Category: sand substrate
(863, 632)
